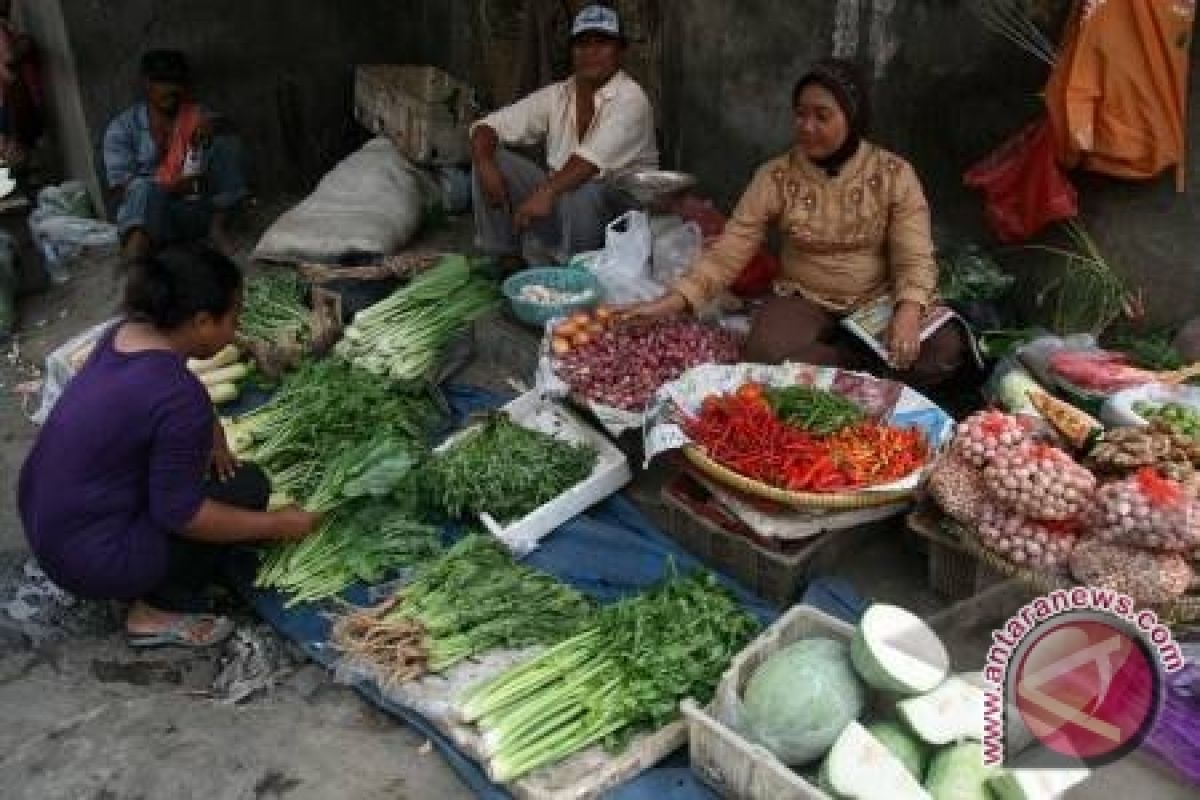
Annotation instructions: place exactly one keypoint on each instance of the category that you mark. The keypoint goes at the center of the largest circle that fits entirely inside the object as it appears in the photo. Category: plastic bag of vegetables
(1144, 575)
(1040, 482)
(1147, 510)
(1025, 541)
(984, 435)
(957, 486)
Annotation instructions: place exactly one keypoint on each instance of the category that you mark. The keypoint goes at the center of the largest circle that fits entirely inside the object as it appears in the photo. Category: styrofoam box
(735, 767)
(537, 412)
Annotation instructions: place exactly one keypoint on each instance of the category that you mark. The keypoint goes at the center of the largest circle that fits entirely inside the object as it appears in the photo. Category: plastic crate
(723, 543)
(537, 412)
(735, 767)
(954, 573)
(422, 109)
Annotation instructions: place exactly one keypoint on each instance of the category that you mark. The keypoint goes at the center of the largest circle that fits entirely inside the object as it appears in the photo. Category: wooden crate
(953, 572)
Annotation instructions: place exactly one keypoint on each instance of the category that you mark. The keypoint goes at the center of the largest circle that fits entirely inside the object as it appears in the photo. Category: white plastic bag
(62, 364)
(64, 226)
(675, 250)
(624, 267)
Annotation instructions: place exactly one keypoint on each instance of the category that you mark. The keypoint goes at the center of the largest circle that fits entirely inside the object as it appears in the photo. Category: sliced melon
(951, 713)
(894, 651)
(1035, 784)
(912, 752)
(958, 773)
(861, 768)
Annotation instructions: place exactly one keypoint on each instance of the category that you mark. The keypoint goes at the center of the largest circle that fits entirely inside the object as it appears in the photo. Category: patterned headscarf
(845, 82)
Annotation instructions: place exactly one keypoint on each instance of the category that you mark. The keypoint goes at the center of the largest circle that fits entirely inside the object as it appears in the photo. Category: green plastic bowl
(565, 279)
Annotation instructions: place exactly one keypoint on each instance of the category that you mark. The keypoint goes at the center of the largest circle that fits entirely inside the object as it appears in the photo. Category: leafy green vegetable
(812, 409)
(967, 273)
(323, 409)
(404, 335)
(274, 308)
(473, 599)
(626, 671)
(1152, 350)
(506, 470)
(362, 541)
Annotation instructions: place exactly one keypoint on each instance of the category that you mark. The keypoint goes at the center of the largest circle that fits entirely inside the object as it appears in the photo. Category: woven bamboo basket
(1183, 610)
(827, 500)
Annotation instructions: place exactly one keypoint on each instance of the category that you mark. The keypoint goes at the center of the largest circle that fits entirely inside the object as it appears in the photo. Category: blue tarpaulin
(610, 552)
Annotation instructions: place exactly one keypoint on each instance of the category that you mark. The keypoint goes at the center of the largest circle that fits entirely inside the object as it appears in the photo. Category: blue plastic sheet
(610, 552)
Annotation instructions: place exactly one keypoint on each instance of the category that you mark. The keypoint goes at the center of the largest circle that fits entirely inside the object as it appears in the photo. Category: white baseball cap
(597, 19)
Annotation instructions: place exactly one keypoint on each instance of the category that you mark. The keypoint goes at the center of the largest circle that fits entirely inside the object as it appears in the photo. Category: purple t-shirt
(118, 468)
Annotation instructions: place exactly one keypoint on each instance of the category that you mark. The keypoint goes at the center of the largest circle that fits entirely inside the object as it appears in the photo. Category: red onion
(624, 366)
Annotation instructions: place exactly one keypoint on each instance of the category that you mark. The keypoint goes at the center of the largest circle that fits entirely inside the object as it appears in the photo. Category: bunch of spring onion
(322, 409)
(473, 599)
(477, 475)
(404, 335)
(274, 308)
(362, 541)
(625, 671)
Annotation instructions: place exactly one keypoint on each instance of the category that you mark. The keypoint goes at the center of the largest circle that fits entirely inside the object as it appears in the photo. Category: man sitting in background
(594, 124)
(174, 180)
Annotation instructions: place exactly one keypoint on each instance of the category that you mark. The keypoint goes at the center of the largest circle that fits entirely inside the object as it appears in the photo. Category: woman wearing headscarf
(855, 227)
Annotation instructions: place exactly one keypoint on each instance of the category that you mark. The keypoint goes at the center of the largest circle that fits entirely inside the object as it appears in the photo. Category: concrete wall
(282, 70)
(946, 92)
(67, 122)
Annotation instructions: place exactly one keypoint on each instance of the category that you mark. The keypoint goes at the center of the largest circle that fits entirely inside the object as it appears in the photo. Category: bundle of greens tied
(625, 672)
(404, 335)
(366, 540)
(274, 309)
(505, 470)
(473, 599)
(333, 432)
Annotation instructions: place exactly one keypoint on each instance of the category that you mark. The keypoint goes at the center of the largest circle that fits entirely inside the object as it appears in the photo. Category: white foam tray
(536, 411)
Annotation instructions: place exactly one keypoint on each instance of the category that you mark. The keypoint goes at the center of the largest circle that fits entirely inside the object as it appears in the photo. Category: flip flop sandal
(177, 633)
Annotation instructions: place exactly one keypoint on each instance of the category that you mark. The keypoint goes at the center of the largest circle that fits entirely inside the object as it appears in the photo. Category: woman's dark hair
(172, 287)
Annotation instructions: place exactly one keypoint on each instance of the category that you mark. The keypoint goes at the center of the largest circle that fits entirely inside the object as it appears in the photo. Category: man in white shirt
(596, 124)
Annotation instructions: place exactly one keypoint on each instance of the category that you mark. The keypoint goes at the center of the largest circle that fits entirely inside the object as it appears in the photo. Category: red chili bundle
(742, 432)
(871, 454)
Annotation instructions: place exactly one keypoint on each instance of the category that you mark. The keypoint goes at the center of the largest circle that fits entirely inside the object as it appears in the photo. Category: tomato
(751, 393)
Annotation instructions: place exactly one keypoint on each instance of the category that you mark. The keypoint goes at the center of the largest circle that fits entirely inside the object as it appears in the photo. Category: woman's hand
(293, 523)
(668, 305)
(904, 335)
(223, 462)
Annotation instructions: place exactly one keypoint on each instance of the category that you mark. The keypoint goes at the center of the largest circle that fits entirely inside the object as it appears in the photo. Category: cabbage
(799, 700)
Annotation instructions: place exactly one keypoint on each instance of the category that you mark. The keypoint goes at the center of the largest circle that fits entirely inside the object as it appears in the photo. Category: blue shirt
(129, 148)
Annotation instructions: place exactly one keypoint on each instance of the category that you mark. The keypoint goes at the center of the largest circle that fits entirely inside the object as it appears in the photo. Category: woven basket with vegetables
(800, 435)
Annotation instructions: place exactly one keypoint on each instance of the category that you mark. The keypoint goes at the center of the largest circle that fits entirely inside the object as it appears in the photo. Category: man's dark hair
(166, 66)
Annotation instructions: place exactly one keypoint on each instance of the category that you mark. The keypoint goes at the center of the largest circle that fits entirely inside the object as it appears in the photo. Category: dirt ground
(86, 717)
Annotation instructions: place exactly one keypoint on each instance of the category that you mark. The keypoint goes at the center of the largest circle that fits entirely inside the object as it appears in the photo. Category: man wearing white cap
(595, 124)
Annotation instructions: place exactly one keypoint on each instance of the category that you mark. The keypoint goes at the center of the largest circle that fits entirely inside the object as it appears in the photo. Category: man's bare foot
(146, 625)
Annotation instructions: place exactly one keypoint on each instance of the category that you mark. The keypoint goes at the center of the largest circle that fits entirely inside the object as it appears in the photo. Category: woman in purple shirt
(130, 491)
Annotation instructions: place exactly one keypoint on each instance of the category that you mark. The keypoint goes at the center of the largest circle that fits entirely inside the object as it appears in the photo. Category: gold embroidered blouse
(846, 239)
